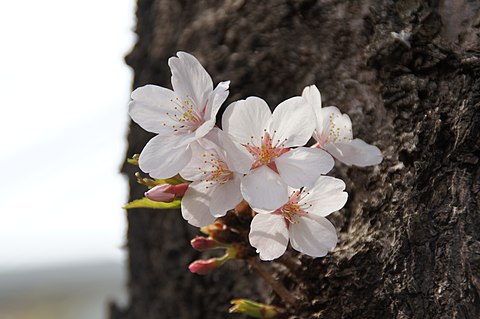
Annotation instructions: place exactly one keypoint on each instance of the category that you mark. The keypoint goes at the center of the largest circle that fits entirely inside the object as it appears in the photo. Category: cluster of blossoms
(258, 156)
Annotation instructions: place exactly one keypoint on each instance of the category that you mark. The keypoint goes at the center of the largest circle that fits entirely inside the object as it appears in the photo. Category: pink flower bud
(166, 193)
(180, 189)
(161, 193)
(202, 267)
(204, 243)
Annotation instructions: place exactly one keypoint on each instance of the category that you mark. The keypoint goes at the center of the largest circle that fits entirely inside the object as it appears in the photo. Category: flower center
(292, 209)
(334, 133)
(215, 170)
(267, 152)
(185, 117)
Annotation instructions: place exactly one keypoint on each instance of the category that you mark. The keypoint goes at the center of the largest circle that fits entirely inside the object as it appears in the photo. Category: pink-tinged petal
(356, 152)
(313, 97)
(196, 205)
(336, 127)
(313, 236)
(262, 188)
(216, 99)
(190, 80)
(161, 158)
(237, 157)
(269, 235)
(225, 197)
(325, 197)
(302, 166)
(293, 122)
(246, 120)
(149, 107)
(187, 138)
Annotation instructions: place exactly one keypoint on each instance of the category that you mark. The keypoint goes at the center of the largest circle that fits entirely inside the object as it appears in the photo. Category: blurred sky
(64, 94)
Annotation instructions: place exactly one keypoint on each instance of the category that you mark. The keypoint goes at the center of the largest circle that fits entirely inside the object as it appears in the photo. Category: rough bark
(410, 233)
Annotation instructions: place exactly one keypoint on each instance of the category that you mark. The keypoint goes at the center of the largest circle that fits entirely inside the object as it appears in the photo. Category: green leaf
(147, 203)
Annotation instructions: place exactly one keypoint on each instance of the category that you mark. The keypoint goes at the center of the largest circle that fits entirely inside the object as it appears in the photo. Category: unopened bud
(201, 243)
(202, 267)
(179, 189)
(166, 193)
(254, 309)
(161, 193)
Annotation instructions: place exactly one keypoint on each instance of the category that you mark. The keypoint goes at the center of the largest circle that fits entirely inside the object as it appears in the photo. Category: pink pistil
(266, 153)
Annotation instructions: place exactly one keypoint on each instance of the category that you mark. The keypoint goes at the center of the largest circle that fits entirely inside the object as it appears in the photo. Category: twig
(275, 284)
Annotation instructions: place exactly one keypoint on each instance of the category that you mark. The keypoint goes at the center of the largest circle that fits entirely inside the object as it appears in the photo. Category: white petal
(216, 99)
(237, 157)
(293, 121)
(196, 205)
(246, 120)
(196, 169)
(269, 235)
(313, 97)
(313, 236)
(264, 189)
(302, 166)
(161, 158)
(325, 197)
(149, 107)
(190, 80)
(225, 197)
(336, 127)
(356, 152)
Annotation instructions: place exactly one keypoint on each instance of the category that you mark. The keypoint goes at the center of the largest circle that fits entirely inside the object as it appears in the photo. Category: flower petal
(292, 122)
(216, 99)
(313, 97)
(302, 166)
(246, 120)
(225, 197)
(356, 152)
(269, 235)
(336, 127)
(236, 156)
(196, 169)
(325, 197)
(190, 80)
(149, 107)
(313, 236)
(162, 158)
(264, 189)
(196, 205)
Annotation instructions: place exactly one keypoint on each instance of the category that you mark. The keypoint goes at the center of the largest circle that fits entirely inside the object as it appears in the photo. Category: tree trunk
(410, 233)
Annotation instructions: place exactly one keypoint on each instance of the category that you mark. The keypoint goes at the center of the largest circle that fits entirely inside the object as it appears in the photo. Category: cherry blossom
(333, 133)
(216, 177)
(268, 140)
(178, 117)
(301, 221)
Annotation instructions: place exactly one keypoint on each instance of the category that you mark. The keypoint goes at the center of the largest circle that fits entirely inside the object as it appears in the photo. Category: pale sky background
(64, 94)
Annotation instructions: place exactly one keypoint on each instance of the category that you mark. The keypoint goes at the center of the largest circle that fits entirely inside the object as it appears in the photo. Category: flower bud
(166, 193)
(254, 309)
(201, 243)
(161, 193)
(202, 267)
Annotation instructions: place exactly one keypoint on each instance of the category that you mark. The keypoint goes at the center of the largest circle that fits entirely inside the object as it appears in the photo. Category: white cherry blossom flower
(179, 117)
(301, 221)
(267, 140)
(333, 133)
(216, 177)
